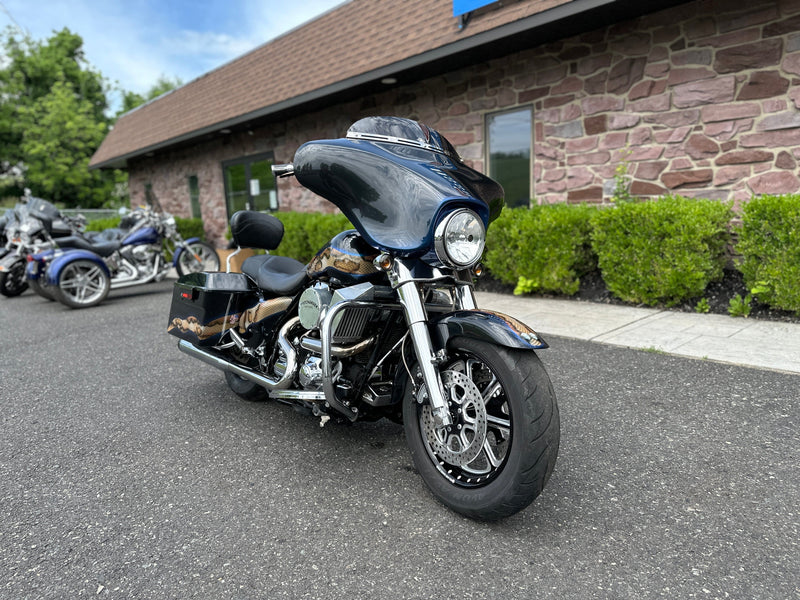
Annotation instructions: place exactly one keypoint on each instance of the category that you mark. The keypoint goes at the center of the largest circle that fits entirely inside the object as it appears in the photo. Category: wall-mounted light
(226, 131)
(389, 80)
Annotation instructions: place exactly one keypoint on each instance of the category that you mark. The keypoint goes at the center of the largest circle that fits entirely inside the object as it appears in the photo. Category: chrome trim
(315, 345)
(465, 297)
(297, 395)
(426, 357)
(440, 246)
(246, 373)
(377, 137)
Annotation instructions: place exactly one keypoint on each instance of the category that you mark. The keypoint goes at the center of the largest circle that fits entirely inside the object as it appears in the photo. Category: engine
(347, 340)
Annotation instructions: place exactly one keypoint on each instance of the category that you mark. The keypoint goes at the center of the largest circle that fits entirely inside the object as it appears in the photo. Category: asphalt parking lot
(128, 470)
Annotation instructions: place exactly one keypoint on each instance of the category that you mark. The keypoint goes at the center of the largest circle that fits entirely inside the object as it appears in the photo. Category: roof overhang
(565, 20)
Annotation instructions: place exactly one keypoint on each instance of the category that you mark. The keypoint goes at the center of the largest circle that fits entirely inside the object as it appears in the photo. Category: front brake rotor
(462, 442)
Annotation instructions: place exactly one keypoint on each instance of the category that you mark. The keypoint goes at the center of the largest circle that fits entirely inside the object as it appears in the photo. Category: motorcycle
(82, 275)
(383, 321)
(33, 225)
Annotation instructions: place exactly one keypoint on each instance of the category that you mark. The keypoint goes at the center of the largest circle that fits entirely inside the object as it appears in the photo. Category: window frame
(487, 143)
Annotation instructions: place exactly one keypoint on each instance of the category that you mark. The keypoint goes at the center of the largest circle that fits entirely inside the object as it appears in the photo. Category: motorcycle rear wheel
(197, 257)
(247, 390)
(13, 282)
(503, 445)
(41, 290)
(82, 284)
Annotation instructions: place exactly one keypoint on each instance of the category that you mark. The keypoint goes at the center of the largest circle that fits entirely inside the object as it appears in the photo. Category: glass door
(249, 184)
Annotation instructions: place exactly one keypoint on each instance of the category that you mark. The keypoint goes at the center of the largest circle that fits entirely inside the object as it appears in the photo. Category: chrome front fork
(417, 320)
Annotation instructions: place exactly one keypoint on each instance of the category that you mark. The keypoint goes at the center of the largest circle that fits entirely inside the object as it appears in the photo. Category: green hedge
(666, 251)
(306, 233)
(541, 249)
(769, 244)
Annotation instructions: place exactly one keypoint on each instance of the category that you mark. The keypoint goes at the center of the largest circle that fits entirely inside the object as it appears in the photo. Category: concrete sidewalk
(747, 342)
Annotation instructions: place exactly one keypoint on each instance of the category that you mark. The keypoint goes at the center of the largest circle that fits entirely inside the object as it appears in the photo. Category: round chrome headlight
(459, 239)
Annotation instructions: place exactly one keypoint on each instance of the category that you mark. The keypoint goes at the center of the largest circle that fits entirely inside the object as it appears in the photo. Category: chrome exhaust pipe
(269, 383)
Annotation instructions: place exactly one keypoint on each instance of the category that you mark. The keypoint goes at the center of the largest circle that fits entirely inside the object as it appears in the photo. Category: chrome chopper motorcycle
(82, 276)
(383, 321)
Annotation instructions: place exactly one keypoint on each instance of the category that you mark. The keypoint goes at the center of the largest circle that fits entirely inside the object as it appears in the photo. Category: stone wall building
(553, 98)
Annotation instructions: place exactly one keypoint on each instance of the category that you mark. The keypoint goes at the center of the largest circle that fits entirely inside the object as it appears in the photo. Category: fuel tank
(348, 257)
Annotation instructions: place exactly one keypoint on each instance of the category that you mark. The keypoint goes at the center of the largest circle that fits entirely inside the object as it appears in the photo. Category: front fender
(179, 250)
(61, 261)
(487, 326)
(9, 259)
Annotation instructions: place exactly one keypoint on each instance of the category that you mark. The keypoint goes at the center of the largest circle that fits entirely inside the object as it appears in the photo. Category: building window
(194, 196)
(509, 138)
(249, 184)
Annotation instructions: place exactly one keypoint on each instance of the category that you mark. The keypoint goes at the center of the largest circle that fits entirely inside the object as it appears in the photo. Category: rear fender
(61, 261)
(487, 326)
(181, 249)
(37, 264)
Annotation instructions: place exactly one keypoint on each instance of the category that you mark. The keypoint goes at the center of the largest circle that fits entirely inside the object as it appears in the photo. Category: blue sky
(134, 42)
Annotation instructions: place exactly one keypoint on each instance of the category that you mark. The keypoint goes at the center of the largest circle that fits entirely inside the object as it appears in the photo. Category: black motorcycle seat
(100, 248)
(280, 275)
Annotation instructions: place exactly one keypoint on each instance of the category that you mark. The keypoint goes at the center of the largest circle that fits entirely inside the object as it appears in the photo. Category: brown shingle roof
(356, 38)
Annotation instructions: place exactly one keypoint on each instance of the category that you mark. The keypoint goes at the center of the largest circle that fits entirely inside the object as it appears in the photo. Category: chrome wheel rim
(474, 459)
(195, 259)
(83, 283)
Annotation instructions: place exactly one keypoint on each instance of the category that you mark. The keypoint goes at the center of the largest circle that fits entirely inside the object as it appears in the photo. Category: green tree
(61, 135)
(52, 119)
(163, 84)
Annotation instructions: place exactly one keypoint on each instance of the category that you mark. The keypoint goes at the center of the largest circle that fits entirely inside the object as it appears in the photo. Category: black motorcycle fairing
(394, 193)
(250, 229)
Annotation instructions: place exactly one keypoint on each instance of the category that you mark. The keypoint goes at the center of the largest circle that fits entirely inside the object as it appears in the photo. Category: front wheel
(12, 281)
(501, 450)
(196, 257)
(81, 284)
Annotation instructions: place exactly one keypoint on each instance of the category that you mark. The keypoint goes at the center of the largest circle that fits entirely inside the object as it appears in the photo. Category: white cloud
(136, 42)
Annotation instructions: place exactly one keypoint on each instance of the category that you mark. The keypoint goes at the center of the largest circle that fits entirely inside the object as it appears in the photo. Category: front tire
(502, 448)
(197, 257)
(81, 284)
(12, 281)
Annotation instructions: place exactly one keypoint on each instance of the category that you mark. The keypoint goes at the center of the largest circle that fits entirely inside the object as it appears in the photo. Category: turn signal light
(383, 262)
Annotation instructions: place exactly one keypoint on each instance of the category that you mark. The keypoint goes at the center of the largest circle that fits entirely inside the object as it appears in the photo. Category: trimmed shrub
(666, 251)
(769, 243)
(189, 228)
(102, 224)
(306, 233)
(541, 249)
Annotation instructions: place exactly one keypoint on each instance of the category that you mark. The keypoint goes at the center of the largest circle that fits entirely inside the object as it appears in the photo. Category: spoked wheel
(197, 257)
(12, 281)
(81, 284)
(501, 449)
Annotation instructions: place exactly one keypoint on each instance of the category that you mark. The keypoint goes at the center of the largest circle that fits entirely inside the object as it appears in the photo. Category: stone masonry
(700, 100)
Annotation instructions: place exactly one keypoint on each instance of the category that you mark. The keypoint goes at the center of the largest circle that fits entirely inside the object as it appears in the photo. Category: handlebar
(286, 170)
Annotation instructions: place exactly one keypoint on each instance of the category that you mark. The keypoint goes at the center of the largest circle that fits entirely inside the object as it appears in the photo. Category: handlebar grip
(286, 170)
